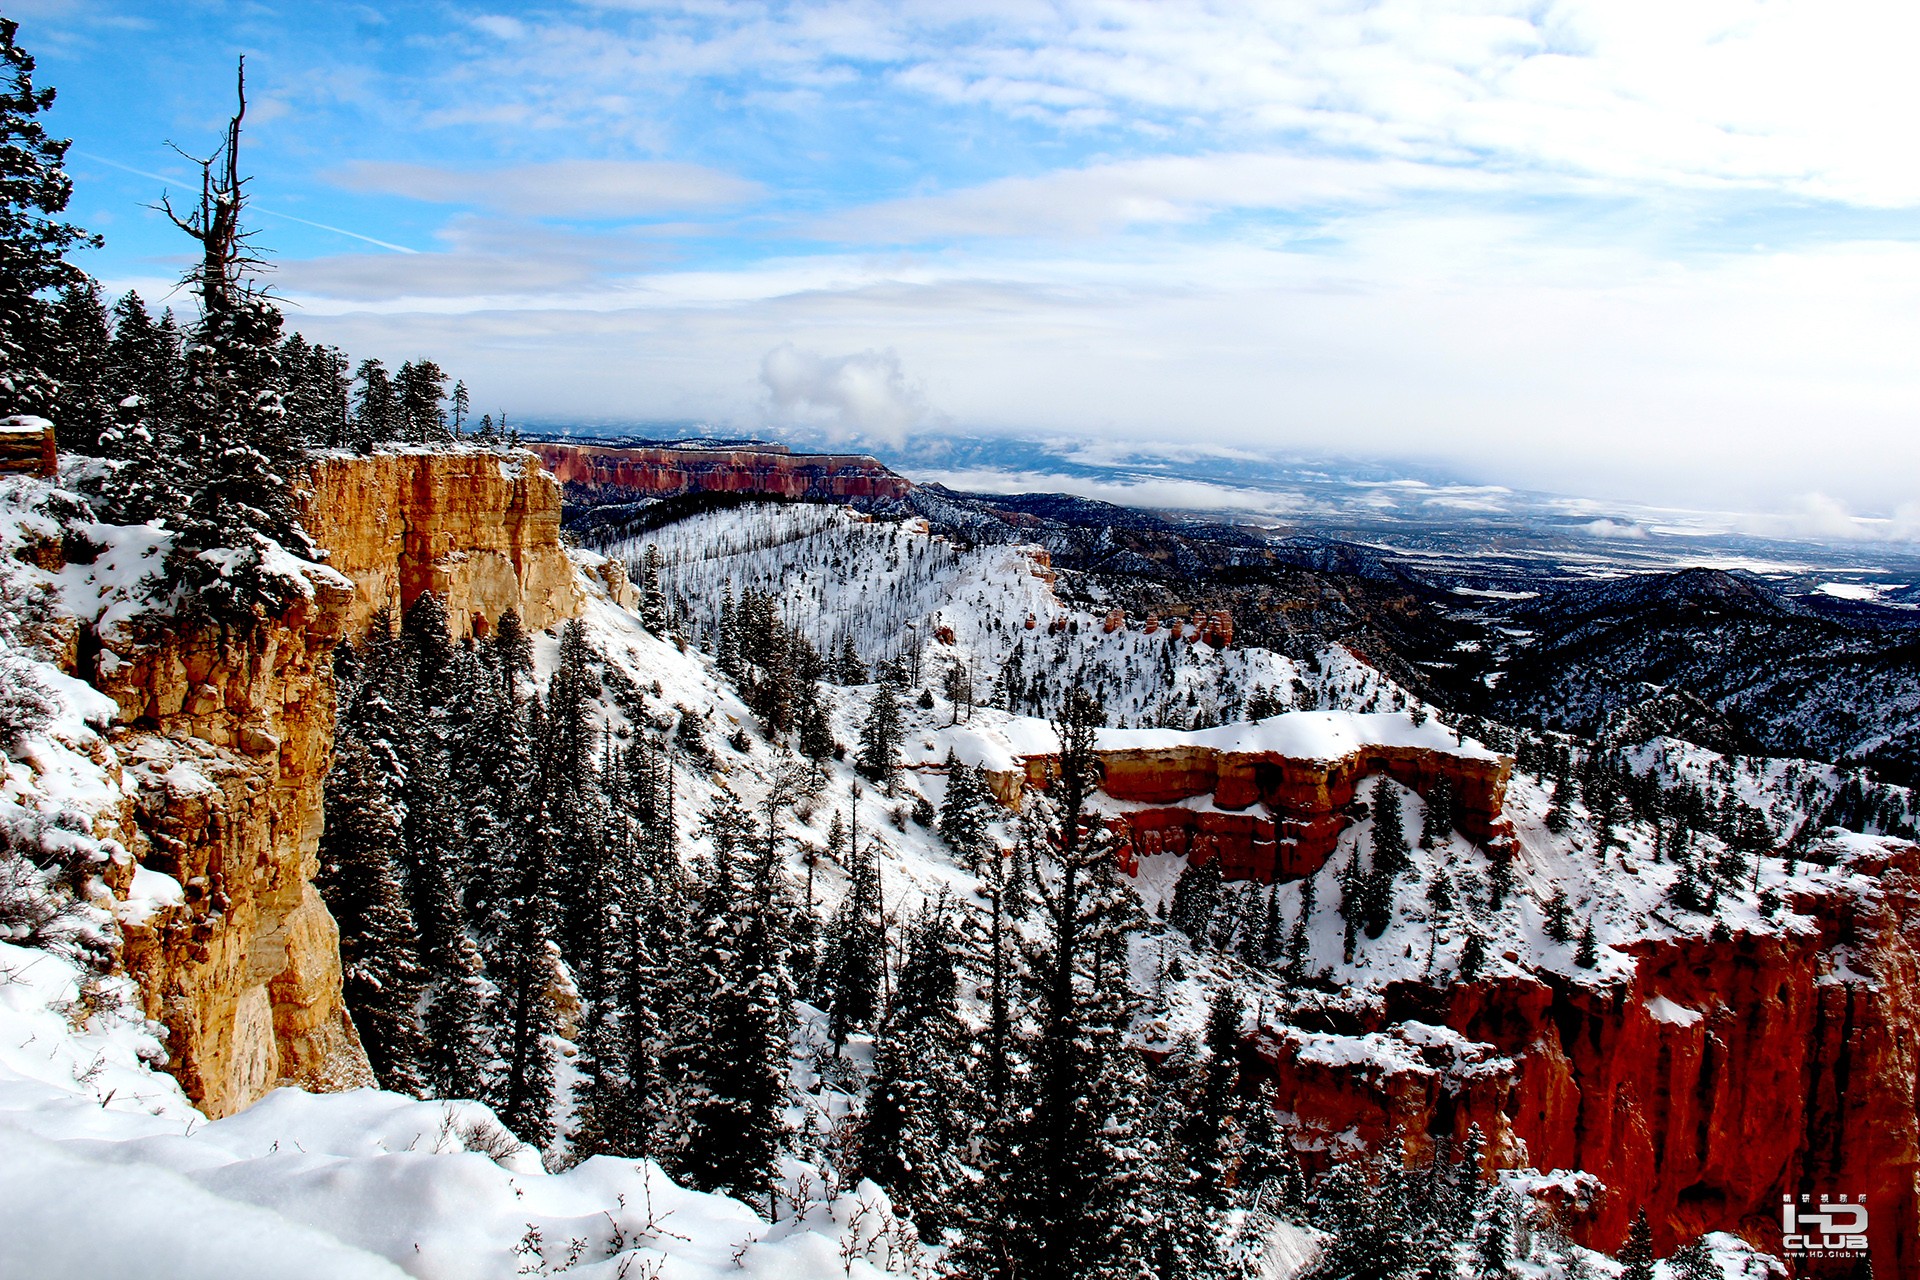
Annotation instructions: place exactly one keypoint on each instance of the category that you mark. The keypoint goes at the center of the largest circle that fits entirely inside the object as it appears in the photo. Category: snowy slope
(111, 1173)
(893, 589)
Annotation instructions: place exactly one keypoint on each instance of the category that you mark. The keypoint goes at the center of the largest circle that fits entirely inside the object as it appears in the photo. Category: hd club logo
(1833, 1228)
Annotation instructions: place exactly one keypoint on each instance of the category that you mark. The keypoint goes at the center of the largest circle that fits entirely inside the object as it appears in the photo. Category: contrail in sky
(181, 182)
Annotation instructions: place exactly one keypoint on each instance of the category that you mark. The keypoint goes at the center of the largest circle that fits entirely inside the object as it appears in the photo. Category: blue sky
(1653, 250)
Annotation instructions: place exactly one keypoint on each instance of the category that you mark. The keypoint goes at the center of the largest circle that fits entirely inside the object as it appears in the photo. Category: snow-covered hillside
(897, 593)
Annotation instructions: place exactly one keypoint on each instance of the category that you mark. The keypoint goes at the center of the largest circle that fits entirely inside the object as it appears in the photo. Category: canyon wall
(1722, 1075)
(1302, 802)
(609, 473)
(225, 736)
(480, 529)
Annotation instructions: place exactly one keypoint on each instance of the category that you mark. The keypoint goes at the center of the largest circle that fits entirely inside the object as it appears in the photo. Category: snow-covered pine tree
(523, 1093)
(317, 388)
(1180, 1233)
(420, 388)
(880, 735)
(1694, 1261)
(376, 407)
(360, 853)
(1080, 1150)
(856, 949)
(1636, 1255)
(1209, 1131)
(237, 451)
(1389, 859)
(915, 1138)
(1196, 896)
(966, 812)
(653, 597)
(146, 368)
(83, 406)
(1559, 916)
(34, 241)
(736, 1125)
(1295, 966)
(1587, 954)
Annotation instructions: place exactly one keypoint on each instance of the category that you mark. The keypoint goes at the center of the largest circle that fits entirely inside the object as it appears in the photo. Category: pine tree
(318, 385)
(1473, 954)
(1694, 1262)
(376, 408)
(966, 812)
(1297, 941)
(736, 1128)
(1587, 954)
(653, 598)
(1080, 1154)
(1636, 1256)
(384, 978)
(1494, 1247)
(1437, 825)
(856, 947)
(237, 451)
(915, 1136)
(1196, 896)
(880, 735)
(83, 407)
(418, 390)
(524, 1093)
(1209, 1128)
(1559, 921)
(34, 242)
(145, 370)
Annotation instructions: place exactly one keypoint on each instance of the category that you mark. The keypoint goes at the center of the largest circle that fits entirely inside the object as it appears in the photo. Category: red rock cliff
(1719, 1077)
(1274, 817)
(610, 473)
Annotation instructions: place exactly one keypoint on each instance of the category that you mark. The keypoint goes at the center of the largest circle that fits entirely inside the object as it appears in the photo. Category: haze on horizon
(1612, 248)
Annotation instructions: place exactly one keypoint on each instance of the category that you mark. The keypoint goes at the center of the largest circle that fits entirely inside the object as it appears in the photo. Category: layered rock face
(1301, 801)
(482, 530)
(1721, 1076)
(226, 737)
(603, 473)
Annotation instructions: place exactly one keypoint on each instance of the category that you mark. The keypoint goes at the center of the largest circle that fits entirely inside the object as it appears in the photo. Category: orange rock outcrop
(226, 735)
(481, 529)
(610, 473)
(1272, 817)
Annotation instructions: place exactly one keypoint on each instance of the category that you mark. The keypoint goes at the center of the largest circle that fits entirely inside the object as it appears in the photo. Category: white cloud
(865, 394)
(1158, 191)
(1799, 96)
(558, 188)
(1608, 528)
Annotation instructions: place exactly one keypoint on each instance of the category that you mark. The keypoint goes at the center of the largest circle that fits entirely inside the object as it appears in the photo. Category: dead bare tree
(227, 256)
